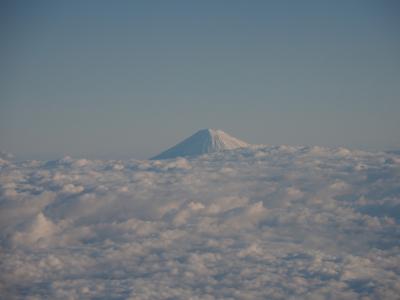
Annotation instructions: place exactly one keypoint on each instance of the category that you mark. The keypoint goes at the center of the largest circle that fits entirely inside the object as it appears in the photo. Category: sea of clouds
(262, 223)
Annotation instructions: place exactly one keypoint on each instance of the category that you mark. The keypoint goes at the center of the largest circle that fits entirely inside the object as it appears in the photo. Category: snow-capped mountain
(202, 142)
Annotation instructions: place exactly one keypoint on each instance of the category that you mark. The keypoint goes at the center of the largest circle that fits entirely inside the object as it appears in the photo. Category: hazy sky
(104, 79)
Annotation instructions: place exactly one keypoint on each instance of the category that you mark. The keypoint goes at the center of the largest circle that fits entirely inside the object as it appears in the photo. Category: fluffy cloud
(263, 223)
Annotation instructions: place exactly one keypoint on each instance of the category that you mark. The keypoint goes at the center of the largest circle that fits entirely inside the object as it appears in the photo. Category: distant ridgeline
(202, 142)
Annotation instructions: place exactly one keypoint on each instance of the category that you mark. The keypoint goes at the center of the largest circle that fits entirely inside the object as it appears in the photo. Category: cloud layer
(264, 223)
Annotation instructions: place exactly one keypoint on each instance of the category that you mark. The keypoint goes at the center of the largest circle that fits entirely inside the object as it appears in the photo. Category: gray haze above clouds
(126, 80)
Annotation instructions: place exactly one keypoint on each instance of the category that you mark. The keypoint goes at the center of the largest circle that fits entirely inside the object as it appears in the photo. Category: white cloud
(266, 223)
(37, 231)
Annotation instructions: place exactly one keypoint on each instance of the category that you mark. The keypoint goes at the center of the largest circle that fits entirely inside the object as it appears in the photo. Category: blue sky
(102, 79)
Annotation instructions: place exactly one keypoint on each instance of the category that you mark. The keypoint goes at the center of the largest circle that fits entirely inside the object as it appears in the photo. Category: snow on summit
(202, 142)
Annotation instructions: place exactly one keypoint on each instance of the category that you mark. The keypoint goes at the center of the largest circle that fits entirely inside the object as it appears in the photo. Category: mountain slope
(202, 142)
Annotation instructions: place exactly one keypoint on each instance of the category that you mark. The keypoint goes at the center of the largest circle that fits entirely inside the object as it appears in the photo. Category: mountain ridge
(204, 141)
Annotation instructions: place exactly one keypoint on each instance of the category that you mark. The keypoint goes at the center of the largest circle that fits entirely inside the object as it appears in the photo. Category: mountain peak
(204, 141)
